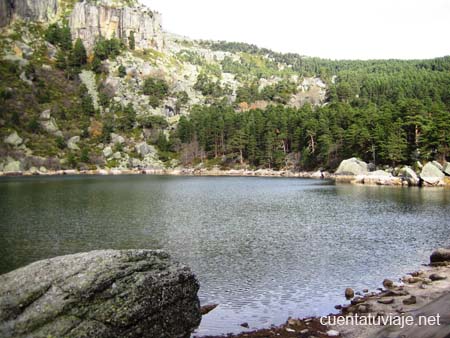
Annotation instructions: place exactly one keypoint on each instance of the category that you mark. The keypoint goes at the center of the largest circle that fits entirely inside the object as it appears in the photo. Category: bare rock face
(32, 10)
(88, 21)
(132, 293)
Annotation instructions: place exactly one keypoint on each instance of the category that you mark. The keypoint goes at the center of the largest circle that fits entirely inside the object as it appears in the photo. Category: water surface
(262, 248)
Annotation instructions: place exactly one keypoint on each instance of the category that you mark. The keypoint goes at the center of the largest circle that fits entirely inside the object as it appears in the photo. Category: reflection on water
(262, 248)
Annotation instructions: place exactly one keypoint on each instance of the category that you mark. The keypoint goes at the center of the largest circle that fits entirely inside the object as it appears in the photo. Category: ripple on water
(262, 248)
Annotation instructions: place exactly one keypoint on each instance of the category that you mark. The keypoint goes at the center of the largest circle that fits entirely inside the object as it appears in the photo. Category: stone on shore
(440, 255)
(447, 168)
(431, 174)
(352, 167)
(409, 175)
(130, 293)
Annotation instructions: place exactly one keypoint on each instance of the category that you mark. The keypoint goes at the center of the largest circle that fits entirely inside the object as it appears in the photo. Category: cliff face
(32, 10)
(88, 21)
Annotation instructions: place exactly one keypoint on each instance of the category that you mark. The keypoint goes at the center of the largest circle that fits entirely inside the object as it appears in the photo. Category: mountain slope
(97, 84)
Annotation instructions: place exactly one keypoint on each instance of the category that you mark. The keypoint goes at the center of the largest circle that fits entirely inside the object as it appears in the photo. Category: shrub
(157, 89)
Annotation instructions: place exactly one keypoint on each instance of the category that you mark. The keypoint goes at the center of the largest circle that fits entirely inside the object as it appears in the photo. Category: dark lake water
(262, 248)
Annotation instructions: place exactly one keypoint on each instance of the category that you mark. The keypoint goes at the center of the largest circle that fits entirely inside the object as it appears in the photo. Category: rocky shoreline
(353, 170)
(423, 292)
(372, 179)
(174, 172)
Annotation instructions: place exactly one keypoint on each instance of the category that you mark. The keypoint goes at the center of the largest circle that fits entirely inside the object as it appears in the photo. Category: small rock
(365, 290)
(357, 300)
(107, 152)
(332, 333)
(45, 115)
(363, 308)
(413, 280)
(290, 330)
(338, 307)
(13, 139)
(207, 308)
(349, 293)
(435, 277)
(117, 139)
(387, 283)
(72, 143)
(386, 301)
(245, 325)
(410, 301)
(293, 322)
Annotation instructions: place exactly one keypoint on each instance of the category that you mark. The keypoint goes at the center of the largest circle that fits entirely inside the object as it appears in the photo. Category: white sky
(336, 29)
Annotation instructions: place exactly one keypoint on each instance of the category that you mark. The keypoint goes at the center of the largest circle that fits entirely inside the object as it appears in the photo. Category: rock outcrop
(88, 21)
(30, 10)
(132, 293)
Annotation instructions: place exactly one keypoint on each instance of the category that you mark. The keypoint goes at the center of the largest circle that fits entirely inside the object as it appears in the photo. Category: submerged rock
(352, 166)
(131, 293)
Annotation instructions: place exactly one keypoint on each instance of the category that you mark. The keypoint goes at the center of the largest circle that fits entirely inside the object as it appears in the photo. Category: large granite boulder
(447, 168)
(409, 175)
(352, 167)
(130, 293)
(431, 174)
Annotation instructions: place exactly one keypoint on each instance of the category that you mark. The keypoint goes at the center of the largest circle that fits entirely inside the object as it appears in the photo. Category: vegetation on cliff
(230, 104)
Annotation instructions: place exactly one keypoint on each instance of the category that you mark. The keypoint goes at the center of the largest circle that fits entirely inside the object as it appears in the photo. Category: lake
(263, 248)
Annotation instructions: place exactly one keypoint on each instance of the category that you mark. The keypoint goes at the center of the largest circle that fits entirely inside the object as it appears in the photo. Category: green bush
(157, 89)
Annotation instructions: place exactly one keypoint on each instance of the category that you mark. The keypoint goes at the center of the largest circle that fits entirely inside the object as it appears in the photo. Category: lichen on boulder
(130, 293)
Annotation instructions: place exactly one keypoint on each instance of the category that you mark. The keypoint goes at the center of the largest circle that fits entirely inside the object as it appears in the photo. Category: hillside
(98, 84)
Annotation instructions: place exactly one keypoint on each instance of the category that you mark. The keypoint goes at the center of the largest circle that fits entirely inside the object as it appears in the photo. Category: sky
(335, 29)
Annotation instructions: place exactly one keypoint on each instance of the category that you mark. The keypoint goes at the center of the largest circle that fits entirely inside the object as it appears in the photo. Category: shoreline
(363, 180)
(422, 290)
(175, 172)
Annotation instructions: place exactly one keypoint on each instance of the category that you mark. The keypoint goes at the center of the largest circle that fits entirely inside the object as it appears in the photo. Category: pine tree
(61, 60)
(78, 56)
(65, 39)
(132, 41)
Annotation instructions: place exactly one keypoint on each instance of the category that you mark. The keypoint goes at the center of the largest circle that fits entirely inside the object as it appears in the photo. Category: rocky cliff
(133, 293)
(89, 20)
(30, 10)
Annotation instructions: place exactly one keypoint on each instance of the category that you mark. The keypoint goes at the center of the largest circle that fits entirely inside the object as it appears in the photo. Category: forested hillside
(135, 97)
(383, 111)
